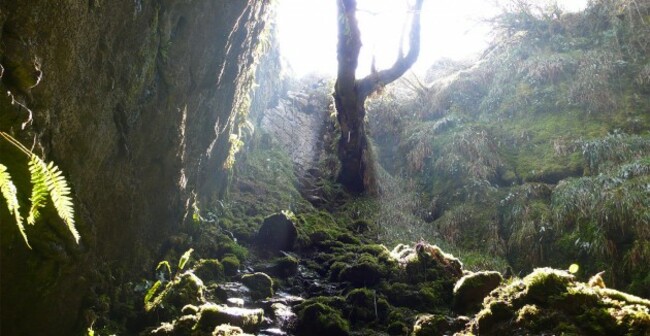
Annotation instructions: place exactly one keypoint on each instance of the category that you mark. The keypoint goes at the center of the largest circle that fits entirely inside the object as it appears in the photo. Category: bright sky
(307, 31)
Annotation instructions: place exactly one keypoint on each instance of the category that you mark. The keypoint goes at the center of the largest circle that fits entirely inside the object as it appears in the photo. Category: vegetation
(538, 151)
(47, 181)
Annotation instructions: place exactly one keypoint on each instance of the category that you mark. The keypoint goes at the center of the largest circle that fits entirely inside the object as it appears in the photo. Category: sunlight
(450, 29)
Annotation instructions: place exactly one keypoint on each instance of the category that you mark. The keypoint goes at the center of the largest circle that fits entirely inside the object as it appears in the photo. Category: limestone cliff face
(135, 103)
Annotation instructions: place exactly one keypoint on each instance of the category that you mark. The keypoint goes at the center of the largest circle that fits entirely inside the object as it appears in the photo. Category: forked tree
(357, 173)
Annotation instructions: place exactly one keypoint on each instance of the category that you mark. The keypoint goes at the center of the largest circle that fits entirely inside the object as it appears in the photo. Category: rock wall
(135, 103)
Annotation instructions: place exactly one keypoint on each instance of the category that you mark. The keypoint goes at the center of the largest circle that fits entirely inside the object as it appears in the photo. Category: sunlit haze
(452, 29)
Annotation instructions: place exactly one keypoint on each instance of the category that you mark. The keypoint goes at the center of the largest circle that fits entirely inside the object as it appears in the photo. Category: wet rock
(277, 233)
(228, 290)
(235, 302)
(316, 318)
(472, 288)
(283, 315)
(282, 267)
(212, 315)
(260, 285)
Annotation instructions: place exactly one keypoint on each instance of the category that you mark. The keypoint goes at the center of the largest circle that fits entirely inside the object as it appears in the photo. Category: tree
(357, 173)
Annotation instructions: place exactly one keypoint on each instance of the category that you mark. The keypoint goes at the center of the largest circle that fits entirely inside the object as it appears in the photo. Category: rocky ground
(345, 284)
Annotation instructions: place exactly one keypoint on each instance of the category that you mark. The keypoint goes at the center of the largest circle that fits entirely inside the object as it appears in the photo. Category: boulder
(212, 315)
(277, 233)
(434, 325)
(260, 285)
(319, 319)
(209, 270)
(472, 288)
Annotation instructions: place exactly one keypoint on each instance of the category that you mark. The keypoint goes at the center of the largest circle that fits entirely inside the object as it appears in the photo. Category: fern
(9, 193)
(184, 259)
(39, 189)
(166, 265)
(149, 295)
(46, 179)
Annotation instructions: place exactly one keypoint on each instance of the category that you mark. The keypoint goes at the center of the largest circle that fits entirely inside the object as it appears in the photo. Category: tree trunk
(357, 172)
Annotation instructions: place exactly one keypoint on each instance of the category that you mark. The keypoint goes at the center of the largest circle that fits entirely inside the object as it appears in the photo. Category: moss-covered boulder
(277, 233)
(472, 288)
(209, 270)
(228, 330)
(365, 305)
(260, 285)
(318, 319)
(212, 315)
(282, 267)
(186, 289)
(365, 271)
(182, 326)
(428, 262)
(435, 325)
(230, 264)
(550, 301)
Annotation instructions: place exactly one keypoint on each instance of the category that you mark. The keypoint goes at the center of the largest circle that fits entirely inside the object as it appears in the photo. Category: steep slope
(539, 151)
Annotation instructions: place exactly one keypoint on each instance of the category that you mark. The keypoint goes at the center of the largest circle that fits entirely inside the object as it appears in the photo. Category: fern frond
(9, 192)
(50, 177)
(165, 264)
(37, 171)
(184, 259)
(149, 295)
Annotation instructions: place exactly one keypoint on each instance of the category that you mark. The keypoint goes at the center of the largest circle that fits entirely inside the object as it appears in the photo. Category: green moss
(285, 267)
(361, 305)
(209, 270)
(212, 315)
(260, 284)
(365, 271)
(335, 269)
(543, 283)
(230, 265)
(470, 290)
(319, 319)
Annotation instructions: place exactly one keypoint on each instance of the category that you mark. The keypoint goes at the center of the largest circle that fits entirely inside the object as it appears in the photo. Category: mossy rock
(436, 324)
(318, 319)
(187, 289)
(472, 288)
(364, 305)
(397, 328)
(543, 283)
(209, 270)
(431, 263)
(366, 271)
(550, 301)
(212, 315)
(260, 285)
(230, 265)
(285, 267)
(228, 330)
(277, 233)
(347, 238)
